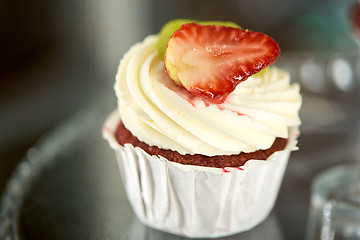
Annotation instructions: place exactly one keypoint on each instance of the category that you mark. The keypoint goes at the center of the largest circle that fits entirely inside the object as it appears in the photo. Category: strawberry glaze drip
(225, 171)
(190, 98)
(238, 113)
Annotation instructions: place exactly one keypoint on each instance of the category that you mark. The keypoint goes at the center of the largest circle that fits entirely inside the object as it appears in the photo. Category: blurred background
(58, 57)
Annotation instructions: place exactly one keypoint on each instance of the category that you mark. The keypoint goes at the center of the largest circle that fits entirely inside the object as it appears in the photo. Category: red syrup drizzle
(179, 90)
(225, 171)
(238, 113)
(190, 98)
(217, 102)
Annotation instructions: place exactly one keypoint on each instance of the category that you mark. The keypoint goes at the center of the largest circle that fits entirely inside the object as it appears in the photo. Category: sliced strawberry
(209, 61)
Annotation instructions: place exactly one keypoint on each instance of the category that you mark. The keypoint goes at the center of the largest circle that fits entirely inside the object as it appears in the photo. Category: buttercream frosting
(160, 113)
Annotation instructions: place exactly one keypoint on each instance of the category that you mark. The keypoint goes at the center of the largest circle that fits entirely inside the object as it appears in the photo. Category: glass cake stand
(68, 186)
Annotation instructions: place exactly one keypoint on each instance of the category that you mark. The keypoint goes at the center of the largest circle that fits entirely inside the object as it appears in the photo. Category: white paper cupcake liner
(197, 201)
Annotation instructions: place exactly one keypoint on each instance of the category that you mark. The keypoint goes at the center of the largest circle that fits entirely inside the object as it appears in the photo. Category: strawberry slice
(209, 61)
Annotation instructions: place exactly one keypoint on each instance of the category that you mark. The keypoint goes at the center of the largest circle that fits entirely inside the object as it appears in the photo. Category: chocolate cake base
(125, 136)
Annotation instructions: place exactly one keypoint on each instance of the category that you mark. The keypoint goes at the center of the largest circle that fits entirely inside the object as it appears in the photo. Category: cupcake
(204, 127)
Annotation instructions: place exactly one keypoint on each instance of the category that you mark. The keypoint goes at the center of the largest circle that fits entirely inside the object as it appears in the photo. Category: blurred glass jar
(335, 204)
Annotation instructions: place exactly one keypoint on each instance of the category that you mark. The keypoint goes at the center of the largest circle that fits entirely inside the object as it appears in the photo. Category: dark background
(57, 57)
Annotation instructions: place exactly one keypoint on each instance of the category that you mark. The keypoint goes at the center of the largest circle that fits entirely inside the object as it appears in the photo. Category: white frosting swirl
(162, 114)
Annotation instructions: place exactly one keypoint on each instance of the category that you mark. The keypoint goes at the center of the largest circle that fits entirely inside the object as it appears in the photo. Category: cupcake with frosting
(204, 127)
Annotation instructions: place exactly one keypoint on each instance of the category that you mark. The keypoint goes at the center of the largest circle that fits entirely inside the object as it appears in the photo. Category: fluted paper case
(197, 201)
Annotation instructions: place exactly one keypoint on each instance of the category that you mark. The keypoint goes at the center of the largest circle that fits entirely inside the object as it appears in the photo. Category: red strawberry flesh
(210, 61)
